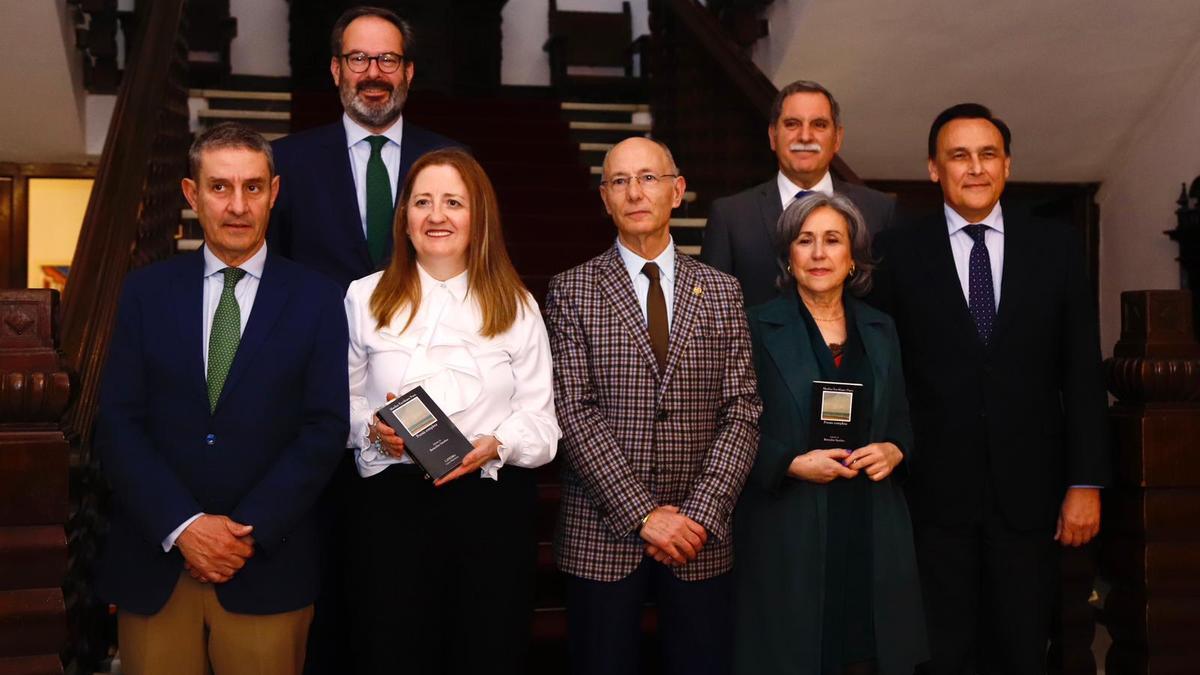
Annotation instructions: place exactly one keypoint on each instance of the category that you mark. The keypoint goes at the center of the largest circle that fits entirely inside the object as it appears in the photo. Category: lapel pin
(697, 291)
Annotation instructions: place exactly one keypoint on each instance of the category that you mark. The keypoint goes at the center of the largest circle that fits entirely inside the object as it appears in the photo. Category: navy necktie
(802, 193)
(981, 296)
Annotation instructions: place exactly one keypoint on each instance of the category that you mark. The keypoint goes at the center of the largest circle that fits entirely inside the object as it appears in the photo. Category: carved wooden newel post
(34, 391)
(1152, 514)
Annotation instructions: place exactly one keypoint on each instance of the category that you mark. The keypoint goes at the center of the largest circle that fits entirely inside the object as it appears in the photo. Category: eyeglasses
(388, 62)
(648, 181)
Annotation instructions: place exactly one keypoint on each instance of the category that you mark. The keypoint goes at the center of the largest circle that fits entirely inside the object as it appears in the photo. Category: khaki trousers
(193, 635)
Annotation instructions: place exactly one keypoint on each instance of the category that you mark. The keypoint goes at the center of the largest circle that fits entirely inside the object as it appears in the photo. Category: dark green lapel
(872, 328)
(787, 344)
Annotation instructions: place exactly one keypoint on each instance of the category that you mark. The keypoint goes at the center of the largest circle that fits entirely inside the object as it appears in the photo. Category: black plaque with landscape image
(430, 438)
(840, 417)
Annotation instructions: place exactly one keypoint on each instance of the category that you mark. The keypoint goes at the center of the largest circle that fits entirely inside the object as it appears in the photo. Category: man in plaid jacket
(656, 395)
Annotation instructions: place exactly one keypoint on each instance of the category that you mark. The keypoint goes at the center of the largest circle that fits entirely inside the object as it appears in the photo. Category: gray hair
(228, 135)
(804, 87)
(791, 222)
(348, 17)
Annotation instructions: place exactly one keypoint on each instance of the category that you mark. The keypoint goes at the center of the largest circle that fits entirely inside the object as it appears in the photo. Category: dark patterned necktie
(981, 296)
(380, 208)
(656, 315)
(224, 336)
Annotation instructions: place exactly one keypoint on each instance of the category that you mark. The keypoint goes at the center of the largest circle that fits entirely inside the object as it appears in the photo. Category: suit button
(210, 439)
(662, 415)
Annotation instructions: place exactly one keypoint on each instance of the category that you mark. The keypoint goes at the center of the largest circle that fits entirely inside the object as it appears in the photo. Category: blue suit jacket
(261, 457)
(316, 219)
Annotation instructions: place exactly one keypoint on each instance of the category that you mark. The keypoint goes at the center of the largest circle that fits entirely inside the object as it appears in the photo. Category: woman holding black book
(826, 573)
(441, 572)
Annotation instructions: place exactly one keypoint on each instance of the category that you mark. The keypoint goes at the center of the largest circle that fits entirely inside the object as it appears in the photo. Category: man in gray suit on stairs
(805, 133)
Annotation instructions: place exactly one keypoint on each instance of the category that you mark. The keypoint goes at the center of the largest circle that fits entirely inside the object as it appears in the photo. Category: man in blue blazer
(223, 409)
(341, 180)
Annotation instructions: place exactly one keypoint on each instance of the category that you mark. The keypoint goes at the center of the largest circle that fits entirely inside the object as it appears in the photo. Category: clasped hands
(486, 448)
(878, 460)
(214, 548)
(672, 538)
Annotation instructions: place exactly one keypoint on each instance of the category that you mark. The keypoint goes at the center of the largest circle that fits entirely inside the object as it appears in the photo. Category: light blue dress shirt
(961, 244)
(641, 282)
(360, 152)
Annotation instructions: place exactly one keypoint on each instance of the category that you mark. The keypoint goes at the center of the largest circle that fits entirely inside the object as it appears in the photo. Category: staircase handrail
(116, 224)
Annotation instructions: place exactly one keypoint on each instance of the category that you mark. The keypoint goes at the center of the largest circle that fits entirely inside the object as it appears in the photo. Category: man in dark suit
(341, 181)
(806, 133)
(1001, 352)
(334, 215)
(656, 396)
(222, 410)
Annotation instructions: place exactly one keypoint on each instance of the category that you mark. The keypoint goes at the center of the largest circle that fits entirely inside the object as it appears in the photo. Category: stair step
(271, 115)
(689, 250)
(244, 95)
(579, 106)
(596, 147)
(696, 223)
(609, 126)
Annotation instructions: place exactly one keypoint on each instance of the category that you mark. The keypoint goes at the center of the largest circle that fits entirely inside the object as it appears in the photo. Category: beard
(373, 115)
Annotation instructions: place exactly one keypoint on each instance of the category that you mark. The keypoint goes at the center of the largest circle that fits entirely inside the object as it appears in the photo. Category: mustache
(376, 84)
(805, 147)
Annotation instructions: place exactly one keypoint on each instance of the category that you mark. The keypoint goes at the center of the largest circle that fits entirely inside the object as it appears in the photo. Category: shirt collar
(457, 285)
(254, 266)
(634, 262)
(355, 134)
(788, 189)
(955, 222)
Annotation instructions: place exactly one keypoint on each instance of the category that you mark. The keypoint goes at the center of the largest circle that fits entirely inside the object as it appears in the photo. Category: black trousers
(328, 635)
(695, 622)
(440, 580)
(989, 591)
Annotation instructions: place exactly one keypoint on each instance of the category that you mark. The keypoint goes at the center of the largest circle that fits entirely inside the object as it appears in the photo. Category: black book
(839, 416)
(430, 438)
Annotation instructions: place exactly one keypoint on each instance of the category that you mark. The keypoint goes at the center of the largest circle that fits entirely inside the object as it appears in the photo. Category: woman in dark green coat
(826, 574)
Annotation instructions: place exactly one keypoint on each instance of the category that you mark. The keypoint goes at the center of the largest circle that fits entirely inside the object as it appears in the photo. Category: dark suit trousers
(989, 592)
(329, 638)
(695, 622)
(440, 580)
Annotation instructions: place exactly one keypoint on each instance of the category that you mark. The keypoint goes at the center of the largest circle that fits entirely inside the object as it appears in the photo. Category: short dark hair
(228, 135)
(804, 87)
(791, 221)
(967, 111)
(348, 16)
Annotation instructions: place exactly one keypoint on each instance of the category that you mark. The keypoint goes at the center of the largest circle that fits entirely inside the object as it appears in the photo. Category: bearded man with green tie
(223, 410)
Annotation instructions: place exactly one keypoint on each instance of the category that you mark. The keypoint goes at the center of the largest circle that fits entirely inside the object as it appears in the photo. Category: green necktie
(379, 201)
(224, 337)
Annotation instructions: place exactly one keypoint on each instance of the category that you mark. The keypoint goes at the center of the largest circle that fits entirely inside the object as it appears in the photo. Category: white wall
(261, 45)
(1137, 199)
(525, 31)
(42, 111)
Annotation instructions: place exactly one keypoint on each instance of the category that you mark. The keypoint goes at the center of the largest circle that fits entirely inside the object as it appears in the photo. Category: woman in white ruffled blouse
(441, 574)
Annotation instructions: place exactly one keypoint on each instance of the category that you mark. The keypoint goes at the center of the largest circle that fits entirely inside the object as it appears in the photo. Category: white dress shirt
(641, 282)
(500, 386)
(244, 292)
(961, 244)
(360, 152)
(788, 189)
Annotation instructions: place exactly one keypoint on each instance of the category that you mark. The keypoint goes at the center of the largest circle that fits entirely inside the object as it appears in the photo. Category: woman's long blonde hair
(493, 281)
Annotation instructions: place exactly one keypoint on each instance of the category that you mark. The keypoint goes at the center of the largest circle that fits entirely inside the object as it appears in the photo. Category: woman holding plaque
(441, 572)
(826, 574)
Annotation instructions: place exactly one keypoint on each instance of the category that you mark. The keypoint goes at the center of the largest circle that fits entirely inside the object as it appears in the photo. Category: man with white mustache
(805, 133)
(340, 181)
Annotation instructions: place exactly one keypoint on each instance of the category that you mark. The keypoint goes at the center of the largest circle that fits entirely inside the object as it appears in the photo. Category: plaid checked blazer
(633, 440)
